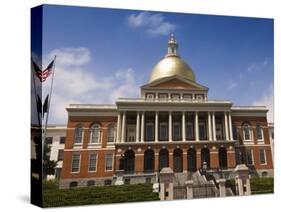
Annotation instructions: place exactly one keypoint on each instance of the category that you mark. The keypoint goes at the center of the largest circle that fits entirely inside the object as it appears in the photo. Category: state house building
(173, 124)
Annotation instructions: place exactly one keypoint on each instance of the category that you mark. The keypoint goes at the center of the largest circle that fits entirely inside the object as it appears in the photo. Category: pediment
(175, 83)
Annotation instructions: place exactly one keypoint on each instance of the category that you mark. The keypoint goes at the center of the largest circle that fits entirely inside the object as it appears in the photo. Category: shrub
(99, 195)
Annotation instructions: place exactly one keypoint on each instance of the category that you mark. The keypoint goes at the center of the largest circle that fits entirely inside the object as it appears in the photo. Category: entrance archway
(191, 160)
(149, 160)
(177, 160)
(129, 161)
(223, 158)
(163, 158)
(205, 157)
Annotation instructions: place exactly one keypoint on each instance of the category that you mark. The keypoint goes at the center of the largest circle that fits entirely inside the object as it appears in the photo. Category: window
(249, 155)
(78, 133)
(75, 163)
(234, 131)
(95, 133)
(199, 97)
(247, 132)
(91, 183)
(149, 131)
(62, 140)
(148, 180)
(176, 131)
(107, 182)
(150, 96)
(262, 156)
(73, 184)
(108, 162)
(163, 131)
(219, 132)
(60, 154)
(202, 131)
(127, 181)
(110, 138)
(189, 131)
(49, 140)
(93, 163)
(175, 97)
(187, 97)
(259, 132)
(163, 96)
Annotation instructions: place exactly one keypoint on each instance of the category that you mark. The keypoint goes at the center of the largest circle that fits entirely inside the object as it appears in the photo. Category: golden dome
(172, 65)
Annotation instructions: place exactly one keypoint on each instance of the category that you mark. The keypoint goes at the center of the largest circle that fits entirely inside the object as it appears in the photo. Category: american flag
(43, 75)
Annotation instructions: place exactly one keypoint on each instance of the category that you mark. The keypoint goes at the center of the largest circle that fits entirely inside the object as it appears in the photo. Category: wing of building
(173, 124)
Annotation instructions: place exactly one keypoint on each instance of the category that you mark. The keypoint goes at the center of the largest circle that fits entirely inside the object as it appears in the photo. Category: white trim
(78, 165)
(265, 157)
(253, 161)
(90, 163)
(109, 170)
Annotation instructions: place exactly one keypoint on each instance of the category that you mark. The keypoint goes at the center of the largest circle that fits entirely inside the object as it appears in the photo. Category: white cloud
(71, 56)
(73, 83)
(257, 66)
(267, 100)
(154, 24)
(232, 85)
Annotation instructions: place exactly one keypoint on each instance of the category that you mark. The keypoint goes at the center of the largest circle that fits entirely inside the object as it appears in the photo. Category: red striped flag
(43, 75)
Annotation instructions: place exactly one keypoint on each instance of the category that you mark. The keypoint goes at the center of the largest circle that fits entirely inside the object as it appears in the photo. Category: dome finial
(172, 45)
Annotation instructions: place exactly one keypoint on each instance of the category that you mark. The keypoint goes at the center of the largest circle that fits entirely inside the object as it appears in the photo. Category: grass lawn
(53, 197)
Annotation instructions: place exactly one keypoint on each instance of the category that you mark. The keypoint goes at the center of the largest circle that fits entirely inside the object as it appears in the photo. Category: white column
(123, 127)
(230, 126)
(196, 127)
(156, 127)
(170, 126)
(226, 126)
(183, 126)
(118, 127)
(142, 127)
(214, 127)
(209, 126)
(138, 127)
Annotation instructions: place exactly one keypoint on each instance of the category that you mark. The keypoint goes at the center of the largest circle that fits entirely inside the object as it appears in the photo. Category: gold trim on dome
(171, 65)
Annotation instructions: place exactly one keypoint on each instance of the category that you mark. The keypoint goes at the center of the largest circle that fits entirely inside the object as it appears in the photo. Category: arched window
(223, 158)
(129, 161)
(247, 132)
(259, 132)
(149, 160)
(177, 160)
(95, 133)
(163, 159)
(111, 133)
(205, 157)
(191, 159)
(78, 134)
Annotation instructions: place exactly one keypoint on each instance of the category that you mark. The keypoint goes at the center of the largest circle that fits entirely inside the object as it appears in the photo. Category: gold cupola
(172, 64)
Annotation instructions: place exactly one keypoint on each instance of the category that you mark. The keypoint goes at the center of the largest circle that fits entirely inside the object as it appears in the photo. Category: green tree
(48, 165)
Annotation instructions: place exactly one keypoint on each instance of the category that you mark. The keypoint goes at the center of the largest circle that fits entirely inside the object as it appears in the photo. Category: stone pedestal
(166, 177)
(119, 177)
(189, 190)
(242, 180)
(221, 183)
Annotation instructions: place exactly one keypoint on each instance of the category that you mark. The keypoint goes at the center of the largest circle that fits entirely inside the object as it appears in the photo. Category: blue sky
(111, 53)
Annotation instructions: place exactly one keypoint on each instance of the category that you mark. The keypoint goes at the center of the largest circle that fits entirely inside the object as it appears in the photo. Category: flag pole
(35, 94)
(49, 101)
